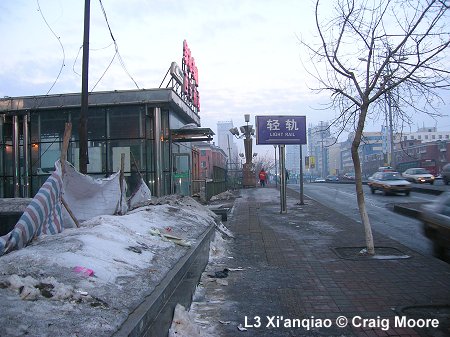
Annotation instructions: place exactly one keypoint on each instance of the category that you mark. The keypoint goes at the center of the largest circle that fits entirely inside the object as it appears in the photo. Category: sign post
(283, 178)
(282, 130)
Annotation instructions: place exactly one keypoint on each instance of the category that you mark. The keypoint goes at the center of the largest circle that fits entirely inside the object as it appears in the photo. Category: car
(386, 169)
(388, 183)
(445, 174)
(319, 180)
(418, 175)
(332, 178)
(349, 176)
(436, 224)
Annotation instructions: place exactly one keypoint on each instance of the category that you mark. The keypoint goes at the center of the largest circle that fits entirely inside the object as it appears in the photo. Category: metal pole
(84, 158)
(301, 177)
(158, 151)
(391, 132)
(26, 154)
(276, 169)
(283, 179)
(16, 151)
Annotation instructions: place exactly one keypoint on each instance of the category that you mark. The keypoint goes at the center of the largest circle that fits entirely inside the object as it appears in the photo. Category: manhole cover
(360, 253)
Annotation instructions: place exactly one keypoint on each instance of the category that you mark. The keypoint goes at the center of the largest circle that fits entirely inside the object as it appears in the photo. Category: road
(342, 198)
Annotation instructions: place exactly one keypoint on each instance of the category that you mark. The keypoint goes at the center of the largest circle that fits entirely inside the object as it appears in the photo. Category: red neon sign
(190, 82)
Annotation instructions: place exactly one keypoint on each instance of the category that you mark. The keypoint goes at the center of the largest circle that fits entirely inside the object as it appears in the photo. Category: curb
(408, 211)
(154, 315)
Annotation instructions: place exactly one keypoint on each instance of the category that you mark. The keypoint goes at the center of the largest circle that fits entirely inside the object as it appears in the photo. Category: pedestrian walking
(262, 178)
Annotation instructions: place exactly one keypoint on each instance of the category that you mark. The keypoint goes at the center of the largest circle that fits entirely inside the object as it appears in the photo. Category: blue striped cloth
(42, 216)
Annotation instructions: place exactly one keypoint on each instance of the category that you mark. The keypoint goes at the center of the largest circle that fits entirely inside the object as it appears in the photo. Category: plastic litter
(83, 270)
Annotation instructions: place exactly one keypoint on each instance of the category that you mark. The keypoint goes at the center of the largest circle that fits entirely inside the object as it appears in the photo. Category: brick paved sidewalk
(296, 268)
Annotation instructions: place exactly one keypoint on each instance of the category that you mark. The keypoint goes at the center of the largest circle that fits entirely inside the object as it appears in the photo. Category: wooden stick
(62, 159)
(121, 179)
(65, 146)
(70, 212)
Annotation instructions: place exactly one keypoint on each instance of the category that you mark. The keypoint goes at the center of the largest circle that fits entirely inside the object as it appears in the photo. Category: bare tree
(370, 49)
(263, 162)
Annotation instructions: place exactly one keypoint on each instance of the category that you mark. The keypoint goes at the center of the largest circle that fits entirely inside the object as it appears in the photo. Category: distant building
(212, 160)
(293, 159)
(334, 159)
(425, 135)
(319, 140)
(225, 140)
(371, 147)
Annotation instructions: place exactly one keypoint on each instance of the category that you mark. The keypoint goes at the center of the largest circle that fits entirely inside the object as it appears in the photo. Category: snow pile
(85, 281)
(227, 195)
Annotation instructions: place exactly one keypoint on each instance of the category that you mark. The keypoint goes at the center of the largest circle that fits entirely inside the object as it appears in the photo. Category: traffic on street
(342, 198)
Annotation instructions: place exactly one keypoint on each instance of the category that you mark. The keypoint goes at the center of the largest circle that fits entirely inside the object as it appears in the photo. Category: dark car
(332, 178)
(445, 174)
(436, 224)
(389, 182)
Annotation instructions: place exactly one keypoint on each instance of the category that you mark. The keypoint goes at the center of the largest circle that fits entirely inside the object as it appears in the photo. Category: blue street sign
(279, 130)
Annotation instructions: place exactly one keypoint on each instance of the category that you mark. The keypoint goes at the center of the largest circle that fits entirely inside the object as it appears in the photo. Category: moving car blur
(389, 183)
(418, 175)
(445, 174)
(436, 224)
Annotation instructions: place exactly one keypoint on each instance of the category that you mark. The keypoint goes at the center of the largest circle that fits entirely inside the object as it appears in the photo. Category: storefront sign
(190, 80)
(280, 130)
(177, 73)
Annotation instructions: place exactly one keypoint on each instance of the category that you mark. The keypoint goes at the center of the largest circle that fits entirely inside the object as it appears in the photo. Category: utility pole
(322, 150)
(83, 154)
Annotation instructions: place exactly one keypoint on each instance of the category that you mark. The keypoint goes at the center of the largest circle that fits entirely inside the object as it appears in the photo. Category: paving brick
(294, 272)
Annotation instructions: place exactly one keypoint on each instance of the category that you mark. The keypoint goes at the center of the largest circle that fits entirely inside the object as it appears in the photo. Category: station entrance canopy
(192, 135)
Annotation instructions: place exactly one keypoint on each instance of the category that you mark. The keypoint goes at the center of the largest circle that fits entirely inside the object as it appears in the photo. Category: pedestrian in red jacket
(262, 178)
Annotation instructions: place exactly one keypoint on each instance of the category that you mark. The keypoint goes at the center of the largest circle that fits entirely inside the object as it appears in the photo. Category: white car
(389, 183)
(418, 175)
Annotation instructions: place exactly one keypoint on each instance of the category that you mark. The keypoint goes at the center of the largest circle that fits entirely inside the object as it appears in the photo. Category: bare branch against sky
(367, 51)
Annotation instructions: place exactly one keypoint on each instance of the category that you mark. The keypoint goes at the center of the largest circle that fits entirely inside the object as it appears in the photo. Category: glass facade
(136, 124)
(111, 132)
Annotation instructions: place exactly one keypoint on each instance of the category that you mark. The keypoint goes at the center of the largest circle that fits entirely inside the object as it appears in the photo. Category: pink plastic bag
(84, 271)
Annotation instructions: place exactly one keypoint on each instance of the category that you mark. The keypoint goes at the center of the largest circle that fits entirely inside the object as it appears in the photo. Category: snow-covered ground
(202, 318)
(85, 281)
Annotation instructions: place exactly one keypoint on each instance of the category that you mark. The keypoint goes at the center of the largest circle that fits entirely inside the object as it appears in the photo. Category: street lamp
(246, 132)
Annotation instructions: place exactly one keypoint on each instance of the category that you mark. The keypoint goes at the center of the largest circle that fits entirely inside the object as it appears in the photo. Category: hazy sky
(247, 52)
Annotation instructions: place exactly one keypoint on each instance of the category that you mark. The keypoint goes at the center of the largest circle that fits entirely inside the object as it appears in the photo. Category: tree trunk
(358, 179)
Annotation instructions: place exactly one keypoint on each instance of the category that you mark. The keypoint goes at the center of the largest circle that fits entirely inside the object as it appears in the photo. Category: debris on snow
(220, 274)
(241, 328)
(183, 324)
(227, 195)
(41, 285)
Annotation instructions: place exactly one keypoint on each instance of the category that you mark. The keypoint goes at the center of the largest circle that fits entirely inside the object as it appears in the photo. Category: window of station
(126, 122)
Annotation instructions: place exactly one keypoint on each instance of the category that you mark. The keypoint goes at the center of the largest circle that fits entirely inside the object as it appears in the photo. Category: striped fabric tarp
(42, 216)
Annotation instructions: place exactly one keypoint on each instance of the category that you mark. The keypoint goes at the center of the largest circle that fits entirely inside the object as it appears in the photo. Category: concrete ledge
(222, 212)
(153, 316)
(405, 210)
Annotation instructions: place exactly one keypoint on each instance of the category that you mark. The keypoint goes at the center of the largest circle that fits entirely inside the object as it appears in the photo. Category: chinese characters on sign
(280, 130)
(190, 82)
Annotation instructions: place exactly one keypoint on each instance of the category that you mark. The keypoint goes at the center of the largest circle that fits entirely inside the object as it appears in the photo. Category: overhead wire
(117, 53)
(57, 77)
(60, 43)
